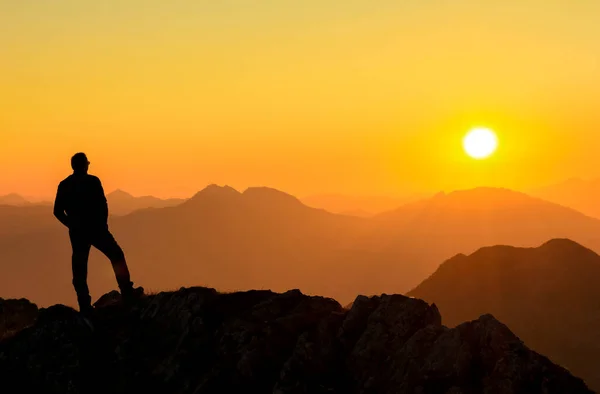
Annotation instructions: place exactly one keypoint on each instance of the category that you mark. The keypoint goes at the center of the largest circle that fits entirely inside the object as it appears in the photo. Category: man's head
(80, 163)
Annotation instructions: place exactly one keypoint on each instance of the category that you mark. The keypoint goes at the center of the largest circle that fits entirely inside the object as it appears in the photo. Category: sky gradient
(311, 96)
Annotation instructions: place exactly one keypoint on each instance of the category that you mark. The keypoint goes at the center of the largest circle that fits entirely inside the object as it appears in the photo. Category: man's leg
(79, 263)
(106, 243)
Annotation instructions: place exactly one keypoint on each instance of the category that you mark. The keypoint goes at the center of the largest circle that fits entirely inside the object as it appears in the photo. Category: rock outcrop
(15, 315)
(199, 341)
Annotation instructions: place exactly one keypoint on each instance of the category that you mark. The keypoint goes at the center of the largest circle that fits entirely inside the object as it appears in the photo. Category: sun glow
(480, 143)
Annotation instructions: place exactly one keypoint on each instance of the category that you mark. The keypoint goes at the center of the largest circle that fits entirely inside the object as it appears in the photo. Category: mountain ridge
(121, 203)
(547, 295)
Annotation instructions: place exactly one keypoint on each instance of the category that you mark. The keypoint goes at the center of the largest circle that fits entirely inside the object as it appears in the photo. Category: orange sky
(307, 96)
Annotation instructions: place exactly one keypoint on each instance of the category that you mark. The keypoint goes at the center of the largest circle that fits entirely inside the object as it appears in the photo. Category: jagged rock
(199, 341)
(109, 299)
(393, 322)
(15, 315)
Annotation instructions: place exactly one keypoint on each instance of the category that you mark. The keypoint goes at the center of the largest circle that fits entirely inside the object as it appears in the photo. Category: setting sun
(480, 143)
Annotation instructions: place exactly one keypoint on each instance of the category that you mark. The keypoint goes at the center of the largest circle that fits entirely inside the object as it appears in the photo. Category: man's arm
(103, 202)
(59, 206)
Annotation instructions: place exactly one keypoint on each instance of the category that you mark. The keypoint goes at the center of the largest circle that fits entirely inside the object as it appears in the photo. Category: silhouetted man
(82, 207)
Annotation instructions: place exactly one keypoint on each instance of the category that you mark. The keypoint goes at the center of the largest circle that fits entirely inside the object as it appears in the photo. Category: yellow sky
(309, 96)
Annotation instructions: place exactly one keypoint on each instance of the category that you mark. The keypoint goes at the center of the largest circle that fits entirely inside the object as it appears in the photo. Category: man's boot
(131, 294)
(85, 303)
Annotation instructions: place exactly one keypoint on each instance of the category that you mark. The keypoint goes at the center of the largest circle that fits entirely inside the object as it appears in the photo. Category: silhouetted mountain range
(120, 202)
(264, 238)
(576, 193)
(123, 203)
(14, 200)
(19, 216)
(362, 206)
(199, 341)
(549, 296)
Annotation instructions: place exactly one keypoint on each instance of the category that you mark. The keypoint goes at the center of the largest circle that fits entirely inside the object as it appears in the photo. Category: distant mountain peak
(477, 199)
(14, 195)
(561, 242)
(556, 252)
(120, 194)
(217, 189)
(486, 197)
(481, 194)
(264, 197)
(485, 191)
(564, 244)
(270, 194)
(13, 199)
(555, 246)
(214, 191)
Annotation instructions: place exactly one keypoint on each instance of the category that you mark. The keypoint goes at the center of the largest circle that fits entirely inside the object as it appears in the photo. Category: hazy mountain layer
(26, 220)
(264, 238)
(363, 206)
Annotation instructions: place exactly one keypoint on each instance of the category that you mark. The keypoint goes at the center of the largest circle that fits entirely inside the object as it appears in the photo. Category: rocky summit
(199, 341)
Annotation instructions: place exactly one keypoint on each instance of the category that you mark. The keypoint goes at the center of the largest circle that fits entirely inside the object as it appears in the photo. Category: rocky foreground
(199, 341)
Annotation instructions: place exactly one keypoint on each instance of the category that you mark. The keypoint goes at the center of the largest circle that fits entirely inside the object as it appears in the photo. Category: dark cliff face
(199, 341)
